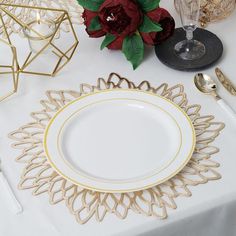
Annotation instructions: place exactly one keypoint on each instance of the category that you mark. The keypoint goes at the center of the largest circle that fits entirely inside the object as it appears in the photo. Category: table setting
(117, 117)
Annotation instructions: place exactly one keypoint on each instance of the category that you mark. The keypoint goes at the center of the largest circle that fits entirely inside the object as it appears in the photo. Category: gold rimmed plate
(119, 140)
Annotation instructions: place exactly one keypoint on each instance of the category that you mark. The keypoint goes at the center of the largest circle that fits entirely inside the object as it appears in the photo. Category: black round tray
(214, 50)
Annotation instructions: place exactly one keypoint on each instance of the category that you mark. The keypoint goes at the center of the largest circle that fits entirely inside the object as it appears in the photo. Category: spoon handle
(228, 109)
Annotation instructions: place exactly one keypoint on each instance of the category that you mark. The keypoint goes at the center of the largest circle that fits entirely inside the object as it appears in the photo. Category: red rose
(120, 17)
(166, 21)
(116, 44)
(88, 16)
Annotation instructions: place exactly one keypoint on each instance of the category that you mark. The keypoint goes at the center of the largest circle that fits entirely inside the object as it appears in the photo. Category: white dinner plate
(119, 140)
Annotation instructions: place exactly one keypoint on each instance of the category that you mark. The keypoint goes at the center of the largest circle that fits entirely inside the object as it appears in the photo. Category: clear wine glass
(189, 49)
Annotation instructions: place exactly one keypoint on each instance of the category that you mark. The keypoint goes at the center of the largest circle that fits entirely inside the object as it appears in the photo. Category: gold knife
(225, 82)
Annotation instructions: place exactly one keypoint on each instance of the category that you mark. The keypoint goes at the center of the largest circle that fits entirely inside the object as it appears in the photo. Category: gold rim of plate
(117, 190)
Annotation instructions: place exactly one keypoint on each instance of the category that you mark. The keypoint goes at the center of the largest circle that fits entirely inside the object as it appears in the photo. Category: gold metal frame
(14, 68)
(63, 56)
(71, 6)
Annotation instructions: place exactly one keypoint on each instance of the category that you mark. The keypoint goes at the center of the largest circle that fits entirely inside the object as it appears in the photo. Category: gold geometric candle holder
(61, 52)
(12, 67)
(54, 50)
(71, 6)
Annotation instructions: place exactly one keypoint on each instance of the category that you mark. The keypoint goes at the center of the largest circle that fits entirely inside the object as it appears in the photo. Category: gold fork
(225, 82)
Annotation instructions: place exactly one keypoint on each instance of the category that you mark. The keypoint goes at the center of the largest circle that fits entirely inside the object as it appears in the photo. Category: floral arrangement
(127, 25)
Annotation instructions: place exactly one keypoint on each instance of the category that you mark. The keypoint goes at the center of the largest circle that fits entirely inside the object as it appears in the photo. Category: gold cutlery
(229, 86)
(207, 85)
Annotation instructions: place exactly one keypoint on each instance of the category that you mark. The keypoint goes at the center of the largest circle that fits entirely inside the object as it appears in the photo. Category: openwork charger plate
(156, 140)
(85, 204)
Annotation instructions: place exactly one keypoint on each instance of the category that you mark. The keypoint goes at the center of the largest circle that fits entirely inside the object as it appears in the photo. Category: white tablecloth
(211, 211)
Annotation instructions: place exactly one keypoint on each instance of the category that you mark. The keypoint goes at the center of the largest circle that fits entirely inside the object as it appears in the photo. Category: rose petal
(120, 17)
(162, 17)
(116, 44)
(88, 16)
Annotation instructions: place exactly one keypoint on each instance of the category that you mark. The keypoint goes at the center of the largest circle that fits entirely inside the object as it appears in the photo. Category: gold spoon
(207, 85)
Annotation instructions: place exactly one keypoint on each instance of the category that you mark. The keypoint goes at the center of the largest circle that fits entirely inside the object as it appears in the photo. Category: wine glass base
(190, 50)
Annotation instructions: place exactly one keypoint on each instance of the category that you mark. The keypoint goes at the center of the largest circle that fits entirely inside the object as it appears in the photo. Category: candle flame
(38, 18)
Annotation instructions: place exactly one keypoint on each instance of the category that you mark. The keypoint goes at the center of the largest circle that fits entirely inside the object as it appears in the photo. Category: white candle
(46, 28)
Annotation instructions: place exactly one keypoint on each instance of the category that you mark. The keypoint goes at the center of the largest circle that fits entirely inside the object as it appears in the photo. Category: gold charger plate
(84, 204)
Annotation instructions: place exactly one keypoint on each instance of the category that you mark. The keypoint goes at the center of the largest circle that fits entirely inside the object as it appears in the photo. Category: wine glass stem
(189, 35)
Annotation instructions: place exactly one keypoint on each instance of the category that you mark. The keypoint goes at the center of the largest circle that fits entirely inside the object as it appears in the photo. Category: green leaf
(92, 5)
(149, 26)
(95, 24)
(133, 48)
(149, 5)
(108, 39)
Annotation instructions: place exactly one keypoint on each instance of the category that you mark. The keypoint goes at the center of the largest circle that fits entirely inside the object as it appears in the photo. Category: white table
(211, 211)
